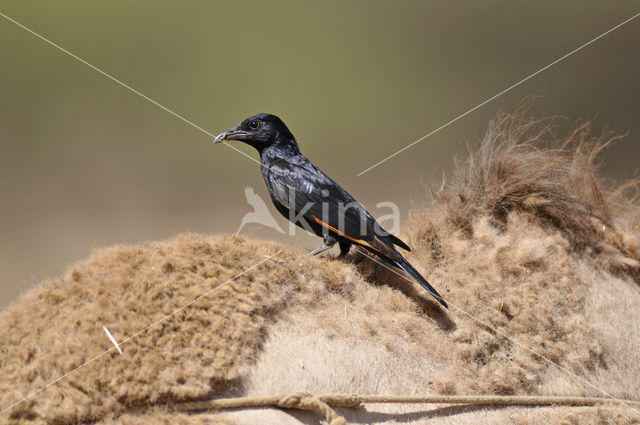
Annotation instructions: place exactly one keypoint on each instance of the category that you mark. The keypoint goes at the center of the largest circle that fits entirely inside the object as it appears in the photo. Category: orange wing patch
(378, 246)
(344, 235)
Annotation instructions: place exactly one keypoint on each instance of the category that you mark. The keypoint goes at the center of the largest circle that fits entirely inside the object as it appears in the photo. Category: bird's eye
(253, 125)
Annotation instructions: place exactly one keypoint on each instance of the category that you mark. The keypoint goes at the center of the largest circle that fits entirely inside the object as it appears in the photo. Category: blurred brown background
(85, 163)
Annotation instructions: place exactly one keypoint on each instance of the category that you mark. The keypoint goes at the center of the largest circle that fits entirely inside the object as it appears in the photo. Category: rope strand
(324, 404)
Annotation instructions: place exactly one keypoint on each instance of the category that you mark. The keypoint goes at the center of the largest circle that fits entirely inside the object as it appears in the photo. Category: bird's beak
(231, 134)
(220, 138)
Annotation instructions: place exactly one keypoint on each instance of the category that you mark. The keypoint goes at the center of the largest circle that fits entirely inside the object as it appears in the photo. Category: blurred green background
(85, 163)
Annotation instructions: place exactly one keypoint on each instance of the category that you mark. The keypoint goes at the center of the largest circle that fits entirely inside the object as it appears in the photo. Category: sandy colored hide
(525, 241)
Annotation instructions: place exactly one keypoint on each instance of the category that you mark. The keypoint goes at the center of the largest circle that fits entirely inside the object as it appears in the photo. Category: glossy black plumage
(312, 200)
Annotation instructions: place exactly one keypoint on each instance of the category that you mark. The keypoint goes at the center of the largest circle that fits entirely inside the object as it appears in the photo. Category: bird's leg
(319, 250)
(344, 249)
(329, 242)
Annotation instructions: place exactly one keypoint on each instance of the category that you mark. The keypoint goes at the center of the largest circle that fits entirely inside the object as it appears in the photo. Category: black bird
(312, 200)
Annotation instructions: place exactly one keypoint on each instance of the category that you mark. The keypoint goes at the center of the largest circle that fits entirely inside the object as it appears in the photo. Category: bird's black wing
(310, 193)
(302, 187)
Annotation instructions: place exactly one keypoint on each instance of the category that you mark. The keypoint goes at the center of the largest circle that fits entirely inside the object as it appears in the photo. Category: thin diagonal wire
(136, 334)
(511, 339)
(500, 94)
(128, 87)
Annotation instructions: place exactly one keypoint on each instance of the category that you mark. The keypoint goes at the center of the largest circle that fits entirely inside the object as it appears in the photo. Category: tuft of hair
(522, 165)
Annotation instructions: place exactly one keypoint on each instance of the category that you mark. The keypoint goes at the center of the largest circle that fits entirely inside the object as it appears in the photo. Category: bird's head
(259, 131)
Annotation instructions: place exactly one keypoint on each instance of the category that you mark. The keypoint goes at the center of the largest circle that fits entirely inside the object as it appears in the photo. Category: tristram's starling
(312, 200)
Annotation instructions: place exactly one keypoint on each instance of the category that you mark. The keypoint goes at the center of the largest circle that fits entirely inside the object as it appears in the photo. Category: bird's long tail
(407, 267)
